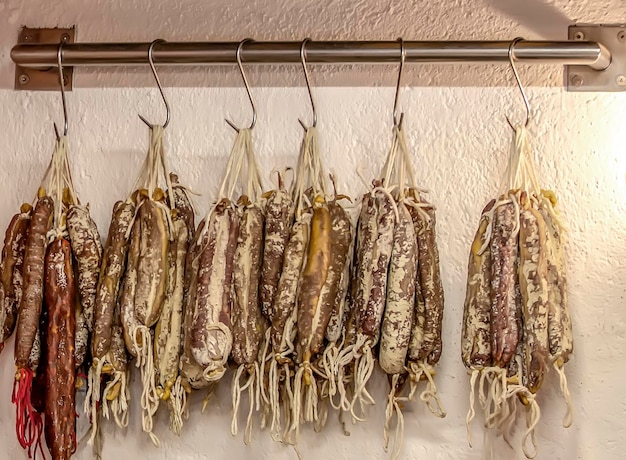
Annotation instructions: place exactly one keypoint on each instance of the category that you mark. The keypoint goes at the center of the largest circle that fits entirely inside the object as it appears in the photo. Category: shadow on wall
(536, 15)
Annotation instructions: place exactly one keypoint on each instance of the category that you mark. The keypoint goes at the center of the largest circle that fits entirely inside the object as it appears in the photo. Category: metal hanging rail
(582, 53)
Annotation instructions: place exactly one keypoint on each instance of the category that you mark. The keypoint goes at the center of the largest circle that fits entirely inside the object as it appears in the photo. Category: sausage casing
(533, 282)
(279, 213)
(476, 334)
(33, 273)
(371, 317)
(314, 276)
(286, 296)
(87, 251)
(430, 284)
(504, 322)
(113, 264)
(248, 322)
(60, 295)
(152, 266)
(211, 339)
(11, 281)
(400, 302)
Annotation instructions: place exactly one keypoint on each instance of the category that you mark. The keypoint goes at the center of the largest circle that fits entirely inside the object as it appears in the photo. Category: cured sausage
(533, 282)
(371, 317)
(11, 271)
(248, 323)
(211, 337)
(279, 213)
(87, 251)
(430, 285)
(399, 305)
(504, 247)
(113, 264)
(476, 335)
(32, 298)
(152, 264)
(60, 296)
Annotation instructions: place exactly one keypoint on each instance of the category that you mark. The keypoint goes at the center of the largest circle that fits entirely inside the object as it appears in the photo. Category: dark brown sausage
(33, 273)
(113, 264)
(60, 295)
(430, 285)
(279, 213)
(11, 271)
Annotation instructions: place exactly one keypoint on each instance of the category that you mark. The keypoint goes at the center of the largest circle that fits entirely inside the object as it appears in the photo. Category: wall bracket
(44, 79)
(611, 79)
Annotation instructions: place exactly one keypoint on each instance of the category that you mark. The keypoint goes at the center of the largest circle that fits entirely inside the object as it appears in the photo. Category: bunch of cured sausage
(140, 296)
(396, 295)
(296, 289)
(516, 322)
(50, 261)
(276, 284)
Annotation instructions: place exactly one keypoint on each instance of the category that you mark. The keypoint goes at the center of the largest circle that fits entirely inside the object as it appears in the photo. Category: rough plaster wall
(460, 142)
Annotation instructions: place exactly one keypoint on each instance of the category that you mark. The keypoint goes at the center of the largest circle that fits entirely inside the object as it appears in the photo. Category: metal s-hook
(397, 122)
(519, 82)
(158, 82)
(308, 82)
(247, 85)
(62, 83)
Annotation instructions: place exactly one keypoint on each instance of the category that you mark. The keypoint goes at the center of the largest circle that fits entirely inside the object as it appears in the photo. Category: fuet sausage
(60, 295)
(248, 322)
(533, 281)
(285, 300)
(113, 264)
(430, 284)
(128, 289)
(279, 213)
(340, 239)
(314, 276)
(152, 265)
(169, 328)
(32, 298)
(11, 270)
(504, 326)
(190, 371)
(87, 251)
(476, 335)
(211, 337)
(371, 317)
(366, 238)
(399, 306)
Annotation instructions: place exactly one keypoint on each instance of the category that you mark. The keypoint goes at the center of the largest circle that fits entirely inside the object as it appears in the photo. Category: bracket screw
(621, 80)
(579, 35)
(26, 38)
(65, 38)
(621, 36)
(23, 79)
(576, 80)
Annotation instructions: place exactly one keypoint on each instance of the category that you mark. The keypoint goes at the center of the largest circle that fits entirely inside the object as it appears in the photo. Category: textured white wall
(460, 143)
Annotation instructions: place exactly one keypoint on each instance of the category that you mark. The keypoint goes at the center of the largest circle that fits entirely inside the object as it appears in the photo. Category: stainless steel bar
(592, 54)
